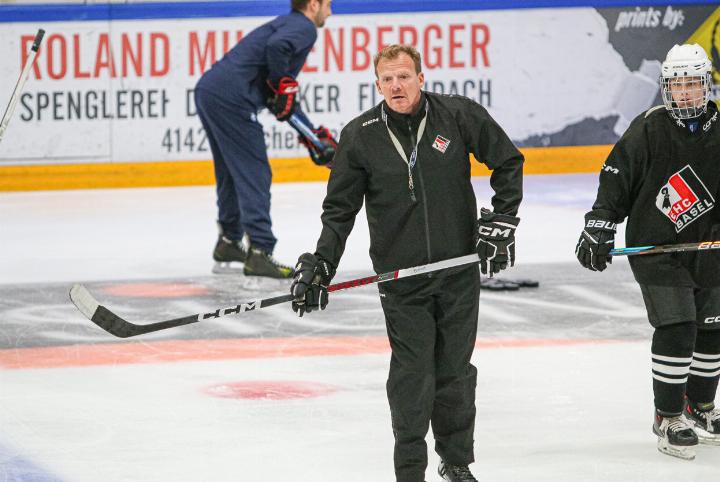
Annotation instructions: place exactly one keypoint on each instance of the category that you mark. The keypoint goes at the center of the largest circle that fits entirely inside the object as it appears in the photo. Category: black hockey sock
(705, 368)
(672, 349)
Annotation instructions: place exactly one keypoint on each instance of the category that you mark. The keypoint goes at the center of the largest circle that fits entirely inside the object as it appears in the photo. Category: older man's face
(399, 84)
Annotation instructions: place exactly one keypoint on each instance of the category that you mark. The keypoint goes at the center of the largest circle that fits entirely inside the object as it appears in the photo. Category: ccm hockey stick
(21, 82)
(115, 325)
(666, 248)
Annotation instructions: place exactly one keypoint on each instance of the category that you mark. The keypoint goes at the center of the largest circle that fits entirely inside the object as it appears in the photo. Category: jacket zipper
(413, 142)
(411, 183)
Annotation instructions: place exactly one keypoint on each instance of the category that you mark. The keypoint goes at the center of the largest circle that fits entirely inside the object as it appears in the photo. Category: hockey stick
(21, 82)
(115, 325)
(306, 132)
(666, 248)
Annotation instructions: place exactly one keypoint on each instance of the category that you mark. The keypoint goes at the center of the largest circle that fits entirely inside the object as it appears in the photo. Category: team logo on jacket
(684, 198)
(441, 144)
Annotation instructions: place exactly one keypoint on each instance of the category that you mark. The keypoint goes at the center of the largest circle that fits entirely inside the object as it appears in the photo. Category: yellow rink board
(538, 160)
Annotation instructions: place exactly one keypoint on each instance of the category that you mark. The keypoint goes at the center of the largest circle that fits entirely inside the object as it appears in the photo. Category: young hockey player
(663, 176)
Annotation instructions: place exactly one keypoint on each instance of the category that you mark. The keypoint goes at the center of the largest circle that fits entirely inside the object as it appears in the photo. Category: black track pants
(432, 325)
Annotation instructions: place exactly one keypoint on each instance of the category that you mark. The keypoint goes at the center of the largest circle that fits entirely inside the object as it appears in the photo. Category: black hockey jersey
(436, 220)
(665, 180)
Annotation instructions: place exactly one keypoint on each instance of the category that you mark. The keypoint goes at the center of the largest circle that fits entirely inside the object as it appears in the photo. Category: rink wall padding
(550, 160)
(109, 101)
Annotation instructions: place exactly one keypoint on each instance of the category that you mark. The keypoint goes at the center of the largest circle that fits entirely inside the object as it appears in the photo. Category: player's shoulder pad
(654, 110)
(646, 118)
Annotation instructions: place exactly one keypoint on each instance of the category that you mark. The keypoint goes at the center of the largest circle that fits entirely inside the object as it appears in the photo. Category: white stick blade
(83, 300)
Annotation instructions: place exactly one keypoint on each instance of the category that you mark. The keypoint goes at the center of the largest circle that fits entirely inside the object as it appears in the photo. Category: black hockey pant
(432, 324)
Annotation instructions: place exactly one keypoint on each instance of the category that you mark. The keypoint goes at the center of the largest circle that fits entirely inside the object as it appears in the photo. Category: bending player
(259, 71)
(663, 176)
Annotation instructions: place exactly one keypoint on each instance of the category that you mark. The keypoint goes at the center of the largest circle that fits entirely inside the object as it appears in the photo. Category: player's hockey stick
(666, 248)
(306, 132)
(115, 325)
(21, 82)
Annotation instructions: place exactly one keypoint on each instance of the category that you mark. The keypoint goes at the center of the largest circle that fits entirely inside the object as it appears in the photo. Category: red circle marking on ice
(269, 390)
(155, 290)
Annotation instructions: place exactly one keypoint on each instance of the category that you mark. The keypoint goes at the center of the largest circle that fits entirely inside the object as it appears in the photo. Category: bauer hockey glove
(596, 241)
(309, 288)
(324, 156)
(495, 241)
(283, 102)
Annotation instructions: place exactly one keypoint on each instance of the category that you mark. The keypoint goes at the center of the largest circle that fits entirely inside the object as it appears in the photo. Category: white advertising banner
(122, 91)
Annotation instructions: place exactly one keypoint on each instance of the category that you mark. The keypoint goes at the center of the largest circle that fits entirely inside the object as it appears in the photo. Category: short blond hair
(393, 51)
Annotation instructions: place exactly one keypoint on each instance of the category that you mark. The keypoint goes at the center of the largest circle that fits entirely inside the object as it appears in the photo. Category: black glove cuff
(488, 216)
(325, 269)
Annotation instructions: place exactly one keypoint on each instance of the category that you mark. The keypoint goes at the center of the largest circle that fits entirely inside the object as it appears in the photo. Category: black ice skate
(261, 263)
(227, 254)
(676, 436)
(455, 473)
(705, 418)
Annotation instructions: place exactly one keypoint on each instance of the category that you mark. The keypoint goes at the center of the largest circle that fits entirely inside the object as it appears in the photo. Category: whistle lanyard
(413, 155)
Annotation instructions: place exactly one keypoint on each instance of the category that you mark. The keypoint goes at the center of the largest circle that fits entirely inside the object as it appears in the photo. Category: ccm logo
(710, 245)
(494, 232)
(610, 169)
(599, 223)
(712, 319)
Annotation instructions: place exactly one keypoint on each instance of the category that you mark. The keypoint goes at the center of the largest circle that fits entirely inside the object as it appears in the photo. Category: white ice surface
(544, 414)
(88, 235)
(564, 413)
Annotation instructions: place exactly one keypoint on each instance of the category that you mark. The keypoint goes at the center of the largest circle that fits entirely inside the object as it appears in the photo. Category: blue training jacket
(273, 50)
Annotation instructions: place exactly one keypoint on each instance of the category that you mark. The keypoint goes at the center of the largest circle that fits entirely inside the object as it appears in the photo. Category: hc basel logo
(684, 198)
(441, 144)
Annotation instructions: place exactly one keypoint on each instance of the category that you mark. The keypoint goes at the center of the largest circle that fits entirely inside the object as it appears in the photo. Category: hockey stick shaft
(305, 131)
(21, 82)
(115, 325)
(666, 248)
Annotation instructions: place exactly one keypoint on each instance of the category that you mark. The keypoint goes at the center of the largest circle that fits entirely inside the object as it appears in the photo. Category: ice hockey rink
(564, 387)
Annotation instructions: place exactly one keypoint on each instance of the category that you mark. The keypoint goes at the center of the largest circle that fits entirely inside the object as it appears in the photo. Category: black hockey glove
(324, 156)
(596, 241)
(284, 100)
(312, 277)
(495, 241)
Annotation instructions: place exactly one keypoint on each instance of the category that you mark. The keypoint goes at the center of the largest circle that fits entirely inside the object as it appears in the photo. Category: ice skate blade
(685, 453)
(705, 437)
(228, 267)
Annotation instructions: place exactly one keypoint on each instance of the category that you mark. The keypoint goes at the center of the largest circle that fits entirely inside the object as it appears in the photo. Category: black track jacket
(437, 224)
(666, 180)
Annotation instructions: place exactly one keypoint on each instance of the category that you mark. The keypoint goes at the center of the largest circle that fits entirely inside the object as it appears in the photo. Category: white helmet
(686, 81)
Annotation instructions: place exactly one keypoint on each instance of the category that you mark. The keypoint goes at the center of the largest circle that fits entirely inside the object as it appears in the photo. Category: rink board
(112, 87)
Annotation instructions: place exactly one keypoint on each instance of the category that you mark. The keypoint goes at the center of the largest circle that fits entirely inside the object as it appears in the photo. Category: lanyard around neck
(413, 155)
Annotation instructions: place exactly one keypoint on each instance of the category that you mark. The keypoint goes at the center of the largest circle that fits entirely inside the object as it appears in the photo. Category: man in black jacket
(408, 160)
(663, 176)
